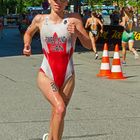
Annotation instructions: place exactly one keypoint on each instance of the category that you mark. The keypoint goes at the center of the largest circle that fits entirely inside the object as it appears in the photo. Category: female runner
(56, 78)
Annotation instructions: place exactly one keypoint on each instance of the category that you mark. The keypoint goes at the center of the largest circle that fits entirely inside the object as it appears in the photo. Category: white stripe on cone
(105, 66)
(116, 68)
(105, 53)
(116, 55)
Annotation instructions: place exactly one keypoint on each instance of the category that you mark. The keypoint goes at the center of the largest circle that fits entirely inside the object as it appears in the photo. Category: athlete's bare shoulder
(89, 19)
(39, 18)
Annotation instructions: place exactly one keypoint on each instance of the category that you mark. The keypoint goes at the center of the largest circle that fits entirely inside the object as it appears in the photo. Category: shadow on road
(12, 44)
(82, 136)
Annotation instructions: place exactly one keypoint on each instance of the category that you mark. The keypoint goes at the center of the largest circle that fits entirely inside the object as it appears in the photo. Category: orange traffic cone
(105, 65)
(116, 70)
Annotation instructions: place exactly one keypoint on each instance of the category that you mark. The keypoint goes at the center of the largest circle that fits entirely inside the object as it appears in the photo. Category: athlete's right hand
(71, 27)
(27, 50)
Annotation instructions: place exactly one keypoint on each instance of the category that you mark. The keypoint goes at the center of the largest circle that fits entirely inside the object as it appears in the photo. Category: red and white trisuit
(58, 46)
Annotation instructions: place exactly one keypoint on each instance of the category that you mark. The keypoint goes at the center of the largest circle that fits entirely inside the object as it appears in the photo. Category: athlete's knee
(124, 49)
(60, 110)
(131, 49)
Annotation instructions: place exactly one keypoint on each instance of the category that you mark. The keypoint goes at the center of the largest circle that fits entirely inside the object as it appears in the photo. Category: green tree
(19, 4)
(1, 6)
(11, 5)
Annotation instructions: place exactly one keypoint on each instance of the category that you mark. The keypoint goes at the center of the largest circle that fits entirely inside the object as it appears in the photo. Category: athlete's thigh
(124, 45)
(130, 44)
(49, 89)
(68, 89)
(92, 38)
(96, 37)
(125, 37)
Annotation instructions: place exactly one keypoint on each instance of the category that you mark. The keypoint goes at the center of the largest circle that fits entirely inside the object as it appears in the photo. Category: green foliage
(93, 2)
(19, 4)
(22, 4)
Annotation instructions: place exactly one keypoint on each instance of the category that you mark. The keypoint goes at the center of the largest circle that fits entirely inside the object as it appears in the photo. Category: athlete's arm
(29, 34)
(81, 32)
(87, 23)
(123, 22)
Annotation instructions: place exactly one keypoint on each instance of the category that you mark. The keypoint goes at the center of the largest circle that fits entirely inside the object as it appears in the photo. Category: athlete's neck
(55, 17)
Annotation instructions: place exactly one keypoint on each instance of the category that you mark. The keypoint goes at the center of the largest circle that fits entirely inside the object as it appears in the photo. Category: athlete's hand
(71, 27)
(27, 50)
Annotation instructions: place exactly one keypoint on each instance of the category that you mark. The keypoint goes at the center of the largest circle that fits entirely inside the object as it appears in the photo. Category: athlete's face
(58, 5)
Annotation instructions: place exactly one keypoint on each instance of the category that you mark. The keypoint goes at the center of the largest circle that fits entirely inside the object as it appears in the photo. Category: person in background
(30, 17)
(100, 17)
(93, 22)
(23, 25)
(128, 34)
(56, 77)
(86, 15)
(115, 18)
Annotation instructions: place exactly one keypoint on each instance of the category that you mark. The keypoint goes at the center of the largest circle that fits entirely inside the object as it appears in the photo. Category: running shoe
(96, 56)
(136, 56)
(45, 136)
(123, 62)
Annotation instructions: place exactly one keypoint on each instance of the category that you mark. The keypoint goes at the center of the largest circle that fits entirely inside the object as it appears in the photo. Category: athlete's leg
(92, 41)
(97, 36)
(124, 43)
(52, 94)
(132, 49)
(124, 51)
(131, 46)
(66, 93)
(51, 125)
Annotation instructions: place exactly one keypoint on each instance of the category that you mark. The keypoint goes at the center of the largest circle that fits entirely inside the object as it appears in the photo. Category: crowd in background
(114, 15)
(25, 19)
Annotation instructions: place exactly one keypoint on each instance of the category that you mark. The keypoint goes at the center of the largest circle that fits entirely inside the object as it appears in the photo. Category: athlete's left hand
(71, 27)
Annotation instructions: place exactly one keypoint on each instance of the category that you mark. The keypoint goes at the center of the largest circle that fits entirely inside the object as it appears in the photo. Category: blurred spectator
(86, 15)
(100, 17)
(30, 17)
(114, 18)
(23, 25)
(5, 21)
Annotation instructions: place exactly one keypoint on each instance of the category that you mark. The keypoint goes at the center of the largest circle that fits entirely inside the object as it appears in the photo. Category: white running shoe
(96, 55)
(45, 136)
(136, 56)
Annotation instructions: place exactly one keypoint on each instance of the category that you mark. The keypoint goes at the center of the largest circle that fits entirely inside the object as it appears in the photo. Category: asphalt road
(100, 109)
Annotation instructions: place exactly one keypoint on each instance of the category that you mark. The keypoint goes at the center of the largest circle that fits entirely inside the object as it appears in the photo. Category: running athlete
(128, 34)
(93, 23)
(56, 78)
